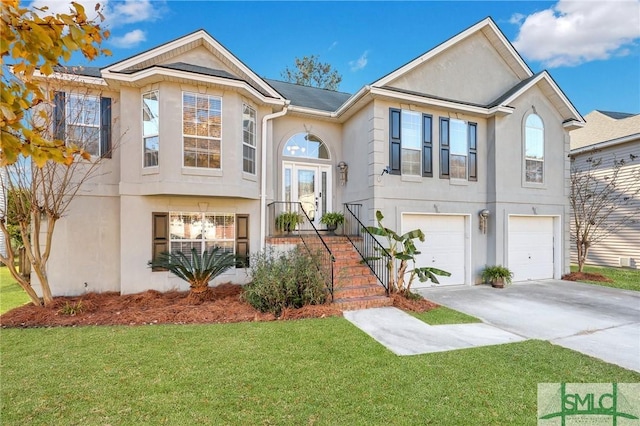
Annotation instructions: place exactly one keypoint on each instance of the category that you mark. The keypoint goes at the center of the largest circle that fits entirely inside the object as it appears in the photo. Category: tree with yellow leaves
(37, 43)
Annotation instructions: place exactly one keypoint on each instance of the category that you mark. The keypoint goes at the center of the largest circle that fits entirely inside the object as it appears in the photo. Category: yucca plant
(197, 269)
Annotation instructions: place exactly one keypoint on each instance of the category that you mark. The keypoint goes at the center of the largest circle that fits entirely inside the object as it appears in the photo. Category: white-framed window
(534, 149)
(82, 122)
(411, 143)
(202, 231)
(306, 145)
(201, 130)
(458, 149)
(248, 139)
(150, 128)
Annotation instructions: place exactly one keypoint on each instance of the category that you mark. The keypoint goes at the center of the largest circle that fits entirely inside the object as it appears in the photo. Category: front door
(310, 185)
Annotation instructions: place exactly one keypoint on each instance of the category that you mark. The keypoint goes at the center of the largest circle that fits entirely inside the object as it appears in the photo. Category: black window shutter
(59, 115)
(473, 151)
(105, 127)
(242, 240)
(427, 146)
(394, 141)
(160, 235)
(444, 148)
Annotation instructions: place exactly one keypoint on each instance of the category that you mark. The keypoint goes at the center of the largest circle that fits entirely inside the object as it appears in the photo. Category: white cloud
(359, 63)
(574, 32)
(334, 44)
(130, 39)
(516, 18)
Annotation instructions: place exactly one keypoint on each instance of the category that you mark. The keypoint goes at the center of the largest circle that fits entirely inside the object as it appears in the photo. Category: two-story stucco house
(205, 146)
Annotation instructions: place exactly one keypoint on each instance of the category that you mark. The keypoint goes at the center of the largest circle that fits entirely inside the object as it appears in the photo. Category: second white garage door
(444, 246)
(531, 247)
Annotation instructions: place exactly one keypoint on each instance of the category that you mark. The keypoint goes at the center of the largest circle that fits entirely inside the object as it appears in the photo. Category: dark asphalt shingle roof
(310, 97)
(79, 70)
(506, 95)
(616, 115)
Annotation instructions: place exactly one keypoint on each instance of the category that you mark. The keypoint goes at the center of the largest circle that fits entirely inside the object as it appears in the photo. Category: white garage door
(443, 248)
(531, 247)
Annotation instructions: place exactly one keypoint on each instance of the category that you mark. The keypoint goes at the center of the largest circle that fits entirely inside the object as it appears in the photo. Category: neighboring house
(205, 145)
(607, 136)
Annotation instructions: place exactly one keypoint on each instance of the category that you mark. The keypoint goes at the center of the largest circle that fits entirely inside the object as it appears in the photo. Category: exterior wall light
(343, 169)
(484, 215)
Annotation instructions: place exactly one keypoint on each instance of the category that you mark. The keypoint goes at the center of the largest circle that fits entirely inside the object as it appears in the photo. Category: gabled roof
(164, 52)
(490, 30)
(616, 115)
(310, 97)
(552, 91)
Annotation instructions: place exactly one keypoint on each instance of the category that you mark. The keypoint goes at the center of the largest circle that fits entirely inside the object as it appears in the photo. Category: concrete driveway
(598, 321)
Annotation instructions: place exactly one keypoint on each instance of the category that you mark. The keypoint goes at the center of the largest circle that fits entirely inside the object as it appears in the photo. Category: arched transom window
(306, 145)
(534, 149)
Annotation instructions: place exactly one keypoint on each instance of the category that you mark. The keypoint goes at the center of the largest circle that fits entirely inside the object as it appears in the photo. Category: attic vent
(627, 262)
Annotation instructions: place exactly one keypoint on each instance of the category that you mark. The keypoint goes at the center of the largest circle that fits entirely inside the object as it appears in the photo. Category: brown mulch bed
(413, 305)
(221, 304)
(586, 276)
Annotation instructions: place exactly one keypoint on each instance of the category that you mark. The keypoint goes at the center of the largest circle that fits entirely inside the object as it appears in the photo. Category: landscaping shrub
(287, 280)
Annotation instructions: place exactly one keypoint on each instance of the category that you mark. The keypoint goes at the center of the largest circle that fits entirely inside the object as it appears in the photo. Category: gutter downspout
(263, 173)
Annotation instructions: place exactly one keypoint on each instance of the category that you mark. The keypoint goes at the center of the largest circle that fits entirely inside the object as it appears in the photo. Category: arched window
(534, 149)
(306, 145)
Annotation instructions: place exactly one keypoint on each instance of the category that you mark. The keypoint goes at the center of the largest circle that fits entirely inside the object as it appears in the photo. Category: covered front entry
(531, 247)
(445, 246)
(310, 185)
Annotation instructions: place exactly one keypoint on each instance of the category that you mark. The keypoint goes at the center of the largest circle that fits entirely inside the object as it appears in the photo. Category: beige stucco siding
(470, 71)
(170, 177)
(85, 255)
(136, 236)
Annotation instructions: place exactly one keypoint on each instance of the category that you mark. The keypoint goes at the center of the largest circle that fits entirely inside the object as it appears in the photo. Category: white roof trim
(70, 77)
(451, 105)
(198, 35)
(605, 144)
(544, 75)
(452, 41)
(154, 71)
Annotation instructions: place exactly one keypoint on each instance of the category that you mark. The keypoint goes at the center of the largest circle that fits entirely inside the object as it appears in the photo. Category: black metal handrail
(310, 237)
(373, 254)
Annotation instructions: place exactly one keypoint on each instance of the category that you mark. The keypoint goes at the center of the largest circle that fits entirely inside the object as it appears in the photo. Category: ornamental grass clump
(286, 280)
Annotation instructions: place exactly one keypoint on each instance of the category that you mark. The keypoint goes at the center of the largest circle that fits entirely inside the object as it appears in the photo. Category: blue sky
(591, 48)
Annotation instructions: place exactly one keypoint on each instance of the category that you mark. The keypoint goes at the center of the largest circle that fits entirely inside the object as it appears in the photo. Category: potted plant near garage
(497, 275)
(287, 221)
(332, 220)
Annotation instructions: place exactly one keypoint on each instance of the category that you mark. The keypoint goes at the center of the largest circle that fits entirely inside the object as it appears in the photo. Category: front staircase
(354, 285)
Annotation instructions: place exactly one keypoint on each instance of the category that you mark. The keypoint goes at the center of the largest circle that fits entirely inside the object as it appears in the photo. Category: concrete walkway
(598, 321)
(404, 334)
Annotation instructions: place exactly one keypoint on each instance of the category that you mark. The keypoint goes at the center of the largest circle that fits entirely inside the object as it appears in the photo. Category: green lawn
(11, 294)
(444, 315)
(321, 372)
(624, 278)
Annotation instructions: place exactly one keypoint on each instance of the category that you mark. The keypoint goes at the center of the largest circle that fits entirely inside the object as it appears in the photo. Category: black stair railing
(373, 254)
(307, 233)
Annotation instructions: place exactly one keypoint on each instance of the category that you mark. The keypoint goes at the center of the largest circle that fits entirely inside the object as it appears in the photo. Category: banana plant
(402, 248)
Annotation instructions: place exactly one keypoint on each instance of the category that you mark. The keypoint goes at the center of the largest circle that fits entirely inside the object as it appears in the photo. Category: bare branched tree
(42, 195)
(604, 198)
